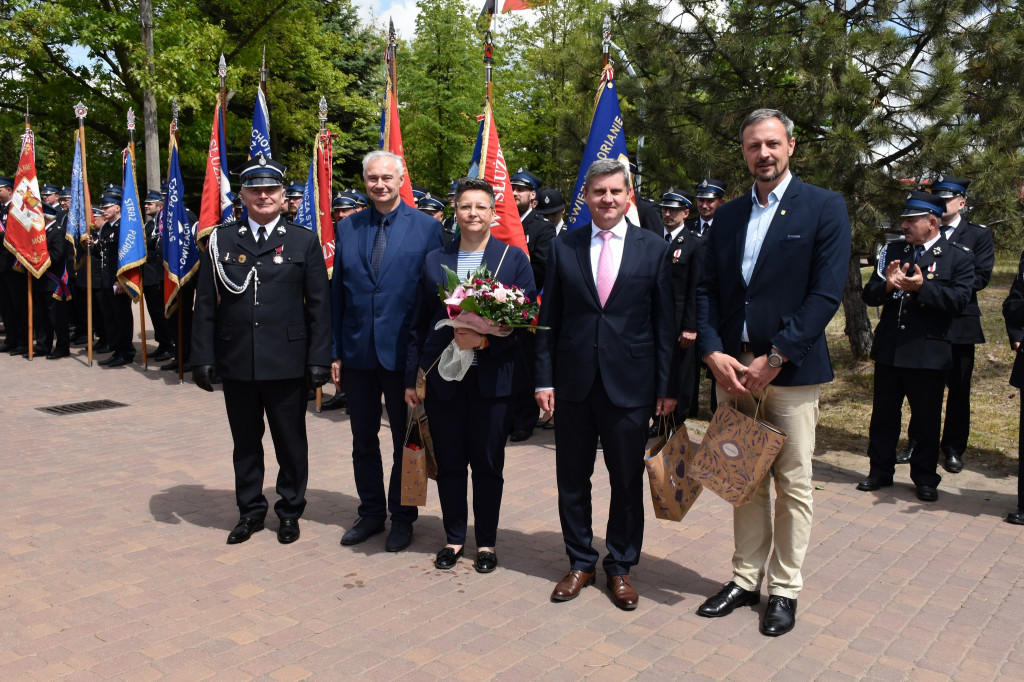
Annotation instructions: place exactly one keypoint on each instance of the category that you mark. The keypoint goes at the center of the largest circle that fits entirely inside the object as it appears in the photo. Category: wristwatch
(774, 359)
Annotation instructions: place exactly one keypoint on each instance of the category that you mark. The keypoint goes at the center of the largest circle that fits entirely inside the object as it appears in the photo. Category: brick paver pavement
(114, 565)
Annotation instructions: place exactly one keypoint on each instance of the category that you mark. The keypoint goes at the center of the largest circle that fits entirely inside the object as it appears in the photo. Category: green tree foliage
(57, 52)
(441, 92)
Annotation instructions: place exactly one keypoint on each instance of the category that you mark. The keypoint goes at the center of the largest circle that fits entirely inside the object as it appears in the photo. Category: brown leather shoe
(623, 593)
(569, 587)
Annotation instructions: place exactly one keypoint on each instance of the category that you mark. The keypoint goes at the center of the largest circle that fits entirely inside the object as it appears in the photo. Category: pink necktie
(605, 269)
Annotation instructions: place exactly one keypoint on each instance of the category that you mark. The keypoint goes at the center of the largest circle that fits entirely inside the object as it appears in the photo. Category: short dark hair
(463, 185)
(759, 115)
(603, 167)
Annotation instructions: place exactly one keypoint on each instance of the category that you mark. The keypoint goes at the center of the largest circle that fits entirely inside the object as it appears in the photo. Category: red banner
(26, 229)
(324, 174)
(211, 207)
(393, 140)
(507, 226)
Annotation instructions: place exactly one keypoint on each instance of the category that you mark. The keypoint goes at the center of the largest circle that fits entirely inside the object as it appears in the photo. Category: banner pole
(80, 112)
(31, 334)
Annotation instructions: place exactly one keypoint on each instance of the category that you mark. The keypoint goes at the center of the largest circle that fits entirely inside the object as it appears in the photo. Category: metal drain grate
(79, 408)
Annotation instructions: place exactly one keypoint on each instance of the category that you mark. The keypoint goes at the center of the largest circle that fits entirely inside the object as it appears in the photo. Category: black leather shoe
(58, 353)
(926, 493)
(447, 558)
(6, 347)
(163, 354)
(288, 531)
(486, 562)
(106, 361)
(336, 402)
(40, 350)
(119, 360)
(729, 598)
(364, 528)
(780, 616)
(244, 530)
(102, 348)
(953, 463)
(873, 483)
(519, 436)
(400, 536)
(20, 350)
(79, 340)
(1016, 517)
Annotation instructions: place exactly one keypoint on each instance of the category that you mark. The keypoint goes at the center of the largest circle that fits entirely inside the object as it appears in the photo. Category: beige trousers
(794, 409)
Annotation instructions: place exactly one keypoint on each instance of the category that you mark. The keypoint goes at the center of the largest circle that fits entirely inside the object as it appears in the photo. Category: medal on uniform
(675, 255)
(278, 258)
(241, 258)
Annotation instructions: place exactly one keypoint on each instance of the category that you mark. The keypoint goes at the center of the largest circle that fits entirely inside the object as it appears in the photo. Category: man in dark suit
(603, 366)
(50, 293)
(685, 250)
(773, 277)
(262, 322)
(1013, 314)
(153, 279)
(115, 303)
(378, 260)
(966, 331)
(539, 233)
(922, 282)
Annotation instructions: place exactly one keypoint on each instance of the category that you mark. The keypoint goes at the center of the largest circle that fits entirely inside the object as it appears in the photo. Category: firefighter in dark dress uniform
(1013, 314)
(922, 281)
(49, 292)
(262, 322)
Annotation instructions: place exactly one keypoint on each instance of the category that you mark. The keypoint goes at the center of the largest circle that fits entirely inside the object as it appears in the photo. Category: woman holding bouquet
(470, 418)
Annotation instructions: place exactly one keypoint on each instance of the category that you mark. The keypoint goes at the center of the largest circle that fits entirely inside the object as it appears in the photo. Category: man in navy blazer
(774, 271)
(604, 364)
(378, 259)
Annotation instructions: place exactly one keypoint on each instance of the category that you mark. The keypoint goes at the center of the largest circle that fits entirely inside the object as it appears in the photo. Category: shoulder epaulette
(960, 246)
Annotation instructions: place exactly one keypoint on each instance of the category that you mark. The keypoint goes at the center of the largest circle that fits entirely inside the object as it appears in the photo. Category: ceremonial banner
(512, 5)
(131, 240)
(315, 210)
(180, 250)
(80, 210)
(215, 206)
(607, 140)
(25, 229)
(390, 128)
(259, 140)
(489, 164)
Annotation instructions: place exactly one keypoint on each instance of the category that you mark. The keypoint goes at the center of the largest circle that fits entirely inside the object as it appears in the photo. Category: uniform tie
(605, 273)
(263, 236)
(380, 242)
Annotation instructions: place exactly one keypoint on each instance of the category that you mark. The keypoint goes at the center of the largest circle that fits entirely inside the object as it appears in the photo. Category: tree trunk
(149, 121)
(858, 325)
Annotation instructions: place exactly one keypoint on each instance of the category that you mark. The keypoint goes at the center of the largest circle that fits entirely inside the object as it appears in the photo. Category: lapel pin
(783, 211)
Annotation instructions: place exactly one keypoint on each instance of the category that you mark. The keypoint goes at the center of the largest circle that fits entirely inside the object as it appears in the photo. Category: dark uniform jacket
(61, 252)
(276, 327)
(539, 233)
(7, 259)
(914, 330)
(105, 251)
(1013, 314)
(967, 325)
(684, 256)
(153, 269)
(649, 215)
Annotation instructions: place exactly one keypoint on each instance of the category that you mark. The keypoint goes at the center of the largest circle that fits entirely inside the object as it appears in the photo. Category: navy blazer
(795, 288)
(501, 367)
(631, 340)
(1013, 314)
(371, 314)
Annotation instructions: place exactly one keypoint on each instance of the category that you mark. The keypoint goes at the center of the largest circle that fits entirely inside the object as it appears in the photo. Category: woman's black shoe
(485, 562)
(447, 558)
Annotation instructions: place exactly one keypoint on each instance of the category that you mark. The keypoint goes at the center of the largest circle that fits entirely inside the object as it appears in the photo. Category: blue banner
(259, 140)
(180, 252)
(607, 140)
(306, 215)
(131, 237)
(78, 224)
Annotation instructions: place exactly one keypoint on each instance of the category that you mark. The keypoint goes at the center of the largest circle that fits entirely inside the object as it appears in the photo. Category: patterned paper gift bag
(673, 492)
(736, 454)
(424, 440)
(414, 472)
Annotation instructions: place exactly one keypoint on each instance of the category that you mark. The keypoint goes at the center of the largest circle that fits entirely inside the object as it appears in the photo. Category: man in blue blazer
(604, 365)
(774, 271)
(378, 259)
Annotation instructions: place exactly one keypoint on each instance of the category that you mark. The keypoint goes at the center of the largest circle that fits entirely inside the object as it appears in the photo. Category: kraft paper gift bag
(414, 472)
(736, 454)
(673, 492)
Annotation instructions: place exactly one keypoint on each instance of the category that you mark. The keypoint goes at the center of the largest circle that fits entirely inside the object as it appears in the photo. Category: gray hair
(463, 185)
(382, 154)
(759, 115)
(603, 167)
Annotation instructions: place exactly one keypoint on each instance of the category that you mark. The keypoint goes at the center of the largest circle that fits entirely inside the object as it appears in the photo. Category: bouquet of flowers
(485, 305)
